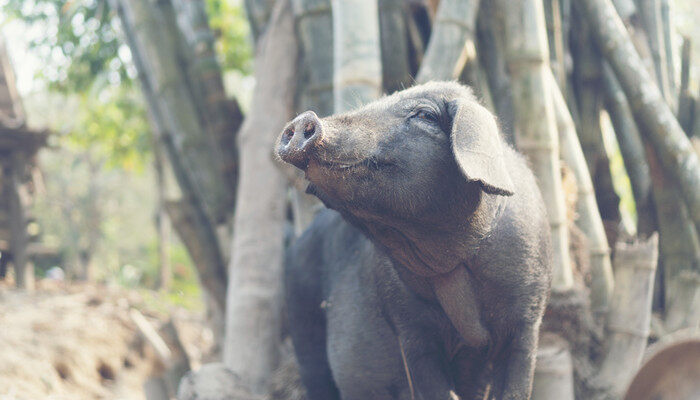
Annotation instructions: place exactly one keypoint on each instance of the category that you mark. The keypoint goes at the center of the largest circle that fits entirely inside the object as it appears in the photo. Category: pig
(428, 275)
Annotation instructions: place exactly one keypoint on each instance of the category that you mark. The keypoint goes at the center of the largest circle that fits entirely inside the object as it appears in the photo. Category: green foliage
(229, 23)
(115, 126)
(79, 44)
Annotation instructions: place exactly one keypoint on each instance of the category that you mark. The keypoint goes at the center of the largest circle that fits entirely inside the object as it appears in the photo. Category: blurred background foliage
(101, 202)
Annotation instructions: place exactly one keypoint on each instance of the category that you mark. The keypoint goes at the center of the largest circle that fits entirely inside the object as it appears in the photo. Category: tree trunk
(652, 113)
(165, 273)
(220, 116)
(254, 306)
(535, 129)
(178, 128)
(452, 41)
(357, 61)
(589, 219)
(258, 16)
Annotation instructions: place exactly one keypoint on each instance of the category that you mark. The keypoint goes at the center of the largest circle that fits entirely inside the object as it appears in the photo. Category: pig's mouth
(369, 163)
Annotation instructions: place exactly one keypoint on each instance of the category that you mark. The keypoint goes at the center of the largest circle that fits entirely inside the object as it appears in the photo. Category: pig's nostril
(288, 134)
(309, 130)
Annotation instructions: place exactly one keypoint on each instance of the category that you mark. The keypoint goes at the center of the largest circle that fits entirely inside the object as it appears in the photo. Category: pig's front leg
(515, 370)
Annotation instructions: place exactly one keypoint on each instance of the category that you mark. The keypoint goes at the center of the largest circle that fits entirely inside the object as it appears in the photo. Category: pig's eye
(426, 116)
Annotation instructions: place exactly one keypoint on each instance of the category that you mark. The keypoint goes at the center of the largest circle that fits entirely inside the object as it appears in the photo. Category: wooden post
(17, 202)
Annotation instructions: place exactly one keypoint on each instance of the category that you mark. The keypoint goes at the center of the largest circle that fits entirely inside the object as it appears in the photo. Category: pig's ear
(477, 147)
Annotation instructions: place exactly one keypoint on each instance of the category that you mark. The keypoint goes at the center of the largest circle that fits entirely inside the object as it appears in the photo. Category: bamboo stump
(554, 371)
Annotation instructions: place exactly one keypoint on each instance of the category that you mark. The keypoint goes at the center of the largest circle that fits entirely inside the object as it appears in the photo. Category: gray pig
(431, 276)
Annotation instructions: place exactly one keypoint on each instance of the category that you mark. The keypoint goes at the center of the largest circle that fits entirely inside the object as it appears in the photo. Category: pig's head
(408, 155)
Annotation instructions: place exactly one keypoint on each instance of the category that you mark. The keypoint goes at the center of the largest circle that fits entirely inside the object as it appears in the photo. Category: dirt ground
(78, 342)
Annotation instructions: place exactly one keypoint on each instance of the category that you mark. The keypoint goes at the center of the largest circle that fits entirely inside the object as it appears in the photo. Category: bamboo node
(642, 333)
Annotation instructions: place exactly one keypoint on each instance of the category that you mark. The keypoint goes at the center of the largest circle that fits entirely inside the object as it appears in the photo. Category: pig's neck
(437, 245)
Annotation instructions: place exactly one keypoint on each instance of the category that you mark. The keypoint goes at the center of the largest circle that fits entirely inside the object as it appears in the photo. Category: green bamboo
(536, 135)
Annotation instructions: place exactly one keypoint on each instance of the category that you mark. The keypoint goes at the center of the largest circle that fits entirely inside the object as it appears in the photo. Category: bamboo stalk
(357, 60)
(667, 32)
(686, 103)
(314, 26)
(679, 247)
(650, 12)
(554, 371)
(535, 129)
(589, 219)
(452, 41)
(587, 80)
(630, 313)
(492, 57)
(652, 113)
(552, 12)
(396, 68)
(683, 305)
(254, 301)
(633, 153)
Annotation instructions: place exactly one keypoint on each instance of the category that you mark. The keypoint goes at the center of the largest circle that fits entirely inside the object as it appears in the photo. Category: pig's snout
(299, 139)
